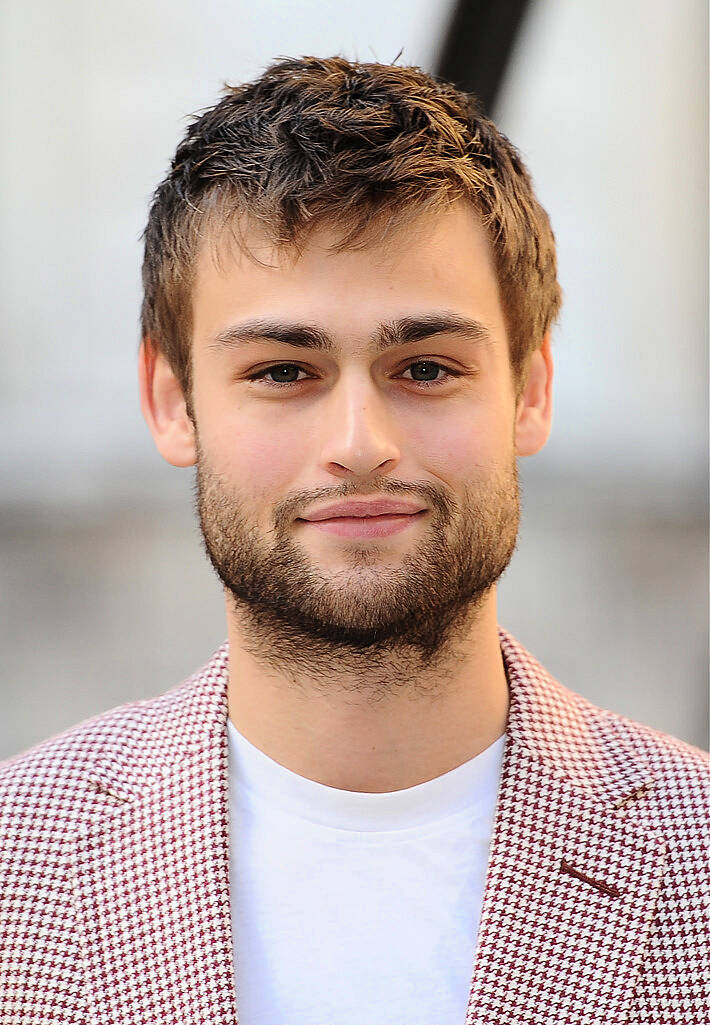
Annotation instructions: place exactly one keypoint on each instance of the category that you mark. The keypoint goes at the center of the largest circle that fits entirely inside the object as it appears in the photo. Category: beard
(369, 619)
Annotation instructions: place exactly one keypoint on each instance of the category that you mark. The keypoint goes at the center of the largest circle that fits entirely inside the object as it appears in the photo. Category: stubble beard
(363, 621)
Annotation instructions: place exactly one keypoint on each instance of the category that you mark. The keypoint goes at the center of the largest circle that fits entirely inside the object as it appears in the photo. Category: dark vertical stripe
(477, 45)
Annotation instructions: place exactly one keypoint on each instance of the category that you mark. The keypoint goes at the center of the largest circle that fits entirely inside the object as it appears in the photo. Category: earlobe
(533, 418)
(164, 408)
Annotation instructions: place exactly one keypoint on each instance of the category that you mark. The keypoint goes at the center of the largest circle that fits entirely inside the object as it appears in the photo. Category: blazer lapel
(151, 879)
(571, 885)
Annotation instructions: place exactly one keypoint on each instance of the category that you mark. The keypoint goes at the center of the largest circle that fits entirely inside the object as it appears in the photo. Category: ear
(164, 408)
(533, 416)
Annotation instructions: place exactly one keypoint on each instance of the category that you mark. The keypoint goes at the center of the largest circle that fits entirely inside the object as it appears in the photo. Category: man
(371, 804)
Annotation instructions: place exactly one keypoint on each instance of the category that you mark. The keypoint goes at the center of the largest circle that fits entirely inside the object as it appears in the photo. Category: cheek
(453, 449)
(254, 456)
(276, 460)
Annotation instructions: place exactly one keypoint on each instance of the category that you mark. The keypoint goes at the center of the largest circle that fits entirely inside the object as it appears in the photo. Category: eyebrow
(389, 334)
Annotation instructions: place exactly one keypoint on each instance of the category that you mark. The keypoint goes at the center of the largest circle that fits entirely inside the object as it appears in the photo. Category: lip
(366, 526)
(380, 507)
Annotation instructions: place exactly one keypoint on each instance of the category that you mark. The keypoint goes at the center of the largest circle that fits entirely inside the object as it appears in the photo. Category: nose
(359, 435)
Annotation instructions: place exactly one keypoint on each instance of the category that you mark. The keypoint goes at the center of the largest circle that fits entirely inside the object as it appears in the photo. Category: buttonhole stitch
(611, 890)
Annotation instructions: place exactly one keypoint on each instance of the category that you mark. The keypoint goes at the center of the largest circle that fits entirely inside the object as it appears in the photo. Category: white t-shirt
(356, 908)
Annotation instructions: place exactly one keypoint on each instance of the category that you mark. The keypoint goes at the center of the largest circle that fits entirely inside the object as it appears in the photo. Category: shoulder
(52, 780)
(65, 782)
(668, 757)
(679, 769)
(666, 789)
(629, 765)
(677, 798)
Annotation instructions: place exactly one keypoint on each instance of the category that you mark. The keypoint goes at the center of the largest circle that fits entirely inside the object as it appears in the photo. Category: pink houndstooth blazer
(114, 892)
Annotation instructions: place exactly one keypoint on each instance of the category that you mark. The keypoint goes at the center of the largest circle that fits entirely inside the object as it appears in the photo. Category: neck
(385, 729)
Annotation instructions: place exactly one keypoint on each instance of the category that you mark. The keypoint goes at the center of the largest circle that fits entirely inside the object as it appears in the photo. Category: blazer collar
(570, 890)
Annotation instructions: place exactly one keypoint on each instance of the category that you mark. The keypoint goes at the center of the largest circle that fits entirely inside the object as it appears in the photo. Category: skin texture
(367, 664)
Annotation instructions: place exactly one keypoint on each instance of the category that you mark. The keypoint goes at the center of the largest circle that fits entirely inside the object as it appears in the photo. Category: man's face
(356, 422)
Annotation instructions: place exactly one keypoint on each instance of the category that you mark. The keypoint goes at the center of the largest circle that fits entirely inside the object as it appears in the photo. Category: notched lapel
(570, 895)
(152, 892)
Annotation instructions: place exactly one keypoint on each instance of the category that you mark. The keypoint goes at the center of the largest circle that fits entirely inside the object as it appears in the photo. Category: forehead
(234, 240)
(438, 261)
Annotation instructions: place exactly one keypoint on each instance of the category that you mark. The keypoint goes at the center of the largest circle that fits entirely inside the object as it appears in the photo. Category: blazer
(114, 889)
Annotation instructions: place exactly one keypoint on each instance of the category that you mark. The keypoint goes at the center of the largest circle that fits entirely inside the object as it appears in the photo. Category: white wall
(607, 102)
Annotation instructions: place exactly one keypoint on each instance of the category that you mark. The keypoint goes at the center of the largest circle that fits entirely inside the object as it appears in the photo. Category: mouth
(366, 526)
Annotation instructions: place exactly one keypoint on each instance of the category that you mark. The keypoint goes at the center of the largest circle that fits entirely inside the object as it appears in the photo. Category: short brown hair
(364, 146)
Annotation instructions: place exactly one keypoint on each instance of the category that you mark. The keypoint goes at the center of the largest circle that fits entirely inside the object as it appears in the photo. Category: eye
(428, 364)
(276, 370)
(281, 370)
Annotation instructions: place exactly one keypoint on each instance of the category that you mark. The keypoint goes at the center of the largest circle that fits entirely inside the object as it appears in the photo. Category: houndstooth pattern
(114, 893)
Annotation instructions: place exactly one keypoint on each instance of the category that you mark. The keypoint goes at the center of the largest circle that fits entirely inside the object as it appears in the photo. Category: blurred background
(105, 594)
